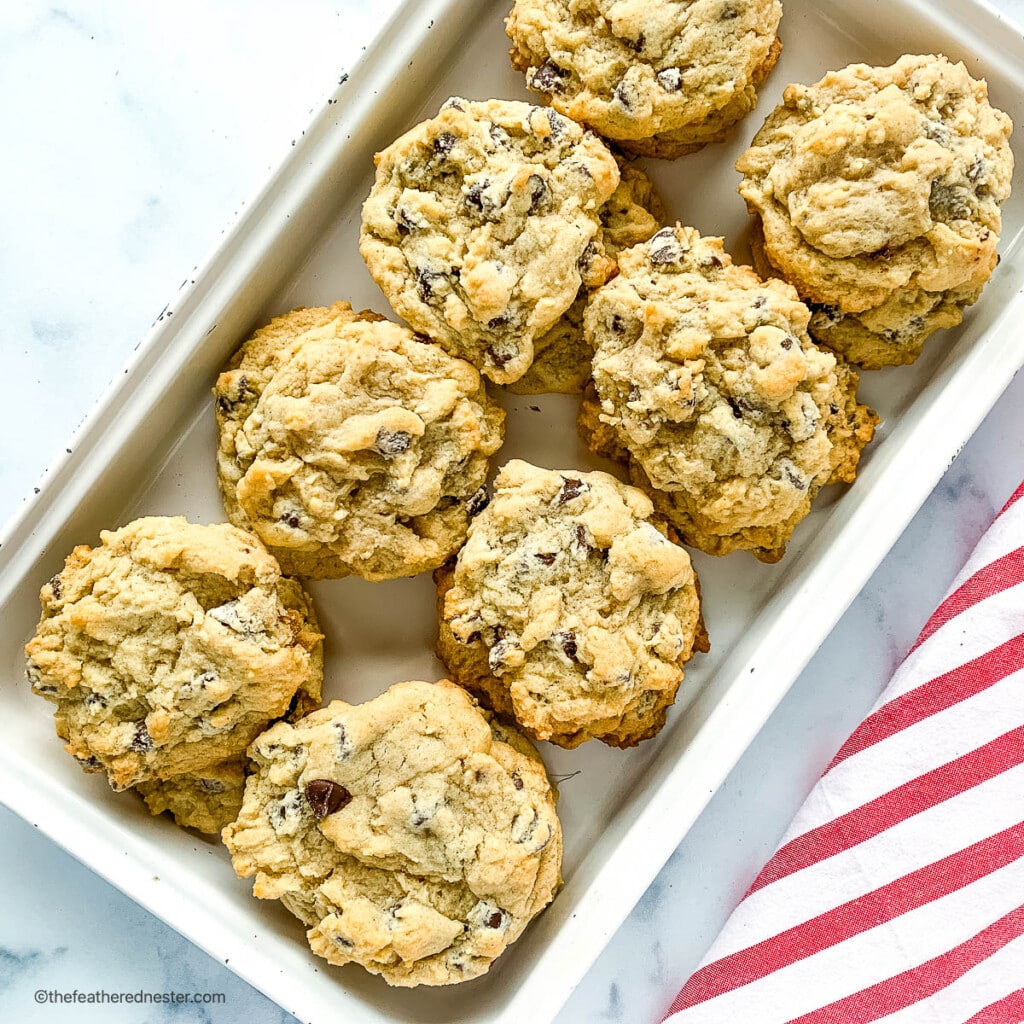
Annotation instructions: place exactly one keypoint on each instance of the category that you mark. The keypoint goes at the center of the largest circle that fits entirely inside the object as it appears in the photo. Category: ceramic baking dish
(148, 448)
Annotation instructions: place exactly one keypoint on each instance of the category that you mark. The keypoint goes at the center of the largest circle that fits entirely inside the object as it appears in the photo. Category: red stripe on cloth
(1014, 498)
(993, 579)
(936, 695)
(913, 890)
(920, 982)
(1008, 1010)
(913, 797)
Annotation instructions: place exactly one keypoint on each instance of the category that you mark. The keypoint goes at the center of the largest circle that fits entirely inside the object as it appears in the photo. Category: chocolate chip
(94, 702)
(443, 143)
(478, 502)
(142, 742)
(787, 343)
(499, 136)
(664, 247)
(833, 409)
(212, 785)
(497, 357)
(55, 587)
(618, 325)
(499, 653)
(671, 79)
(90, 763)
(517, 780)
(473, 637)
(712, 263)
(567, 638)
(427, 282)
(325, 797)
(453, 104)
(581, 537)
(949, 202)
(735, 406)
(392, 442)
(549, 77)
(495, 920)
(937, 132)
(474, 196)
(557, 124)
(497, 322)
(760, 302)
(291, 519)
(636, 45)
(625, 96)
(830, 314)
(539, 192)
(420, 818)
(344, 747)
(571, 488)
(798, 482)
(546, 558)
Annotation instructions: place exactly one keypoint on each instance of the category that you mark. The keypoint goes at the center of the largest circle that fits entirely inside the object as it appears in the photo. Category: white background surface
(133, 132)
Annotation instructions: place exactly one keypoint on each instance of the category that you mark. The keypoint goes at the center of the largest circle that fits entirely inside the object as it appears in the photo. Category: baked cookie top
(583, 607)
(561, 356)
(631, 69)
(709, 380)
(169, 647)
(412, 834)
(480, 226)
(876, 179)
(351, 445)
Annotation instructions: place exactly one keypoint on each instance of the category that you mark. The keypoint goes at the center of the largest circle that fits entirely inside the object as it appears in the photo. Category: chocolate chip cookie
(570, 609)
(660, 77)
(350, 445)
(170, 647)
(412, 834)
(561, 361)
(877, 193)
(707, 382)
(482, 225)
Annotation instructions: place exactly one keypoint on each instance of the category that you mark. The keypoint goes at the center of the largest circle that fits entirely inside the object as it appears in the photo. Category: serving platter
(148, 448)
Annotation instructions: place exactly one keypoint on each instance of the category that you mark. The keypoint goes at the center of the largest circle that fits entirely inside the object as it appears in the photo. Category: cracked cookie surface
(569, 608)
(481, 227)
(169, 647)
(350, 445)
(561, 361)
(707, 382)
(663, 76)
(877, 193)
(413, 834)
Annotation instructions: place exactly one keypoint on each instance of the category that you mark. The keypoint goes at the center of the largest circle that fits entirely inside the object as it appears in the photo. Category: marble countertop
(134, 132)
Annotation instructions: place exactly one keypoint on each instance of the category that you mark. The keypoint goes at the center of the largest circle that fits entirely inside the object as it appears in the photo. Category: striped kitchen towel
(898, 892)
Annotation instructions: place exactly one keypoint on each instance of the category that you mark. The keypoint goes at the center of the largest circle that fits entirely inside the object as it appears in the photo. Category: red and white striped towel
(898, 891)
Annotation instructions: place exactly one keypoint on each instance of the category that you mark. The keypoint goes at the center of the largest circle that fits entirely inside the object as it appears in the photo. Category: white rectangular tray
(148, 448)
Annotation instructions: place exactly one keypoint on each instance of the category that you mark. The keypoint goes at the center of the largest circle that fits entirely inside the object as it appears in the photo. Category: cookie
(350, 445)
(561, 361)
(205, 801)
(716, 128)
(481, 227)
(170, 647)
(707, 381)
(660, 77)
(570, 609)
(412, 834)
(876, 192)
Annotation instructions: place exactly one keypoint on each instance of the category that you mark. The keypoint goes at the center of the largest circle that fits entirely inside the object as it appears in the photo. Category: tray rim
(649, 841)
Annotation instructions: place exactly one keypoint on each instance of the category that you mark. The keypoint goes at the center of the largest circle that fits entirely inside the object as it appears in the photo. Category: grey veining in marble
(132, 134)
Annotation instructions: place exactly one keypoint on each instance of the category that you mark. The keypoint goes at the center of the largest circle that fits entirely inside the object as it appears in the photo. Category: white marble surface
(133, 131)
